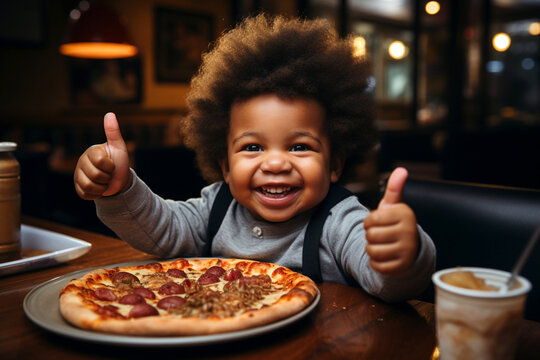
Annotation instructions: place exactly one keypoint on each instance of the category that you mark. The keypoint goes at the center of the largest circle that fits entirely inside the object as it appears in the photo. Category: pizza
(185, 297)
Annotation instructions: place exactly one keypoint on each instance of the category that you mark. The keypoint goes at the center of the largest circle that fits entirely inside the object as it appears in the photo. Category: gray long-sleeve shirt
(170, 228)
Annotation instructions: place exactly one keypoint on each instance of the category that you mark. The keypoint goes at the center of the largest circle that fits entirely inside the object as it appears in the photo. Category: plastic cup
(479, 324)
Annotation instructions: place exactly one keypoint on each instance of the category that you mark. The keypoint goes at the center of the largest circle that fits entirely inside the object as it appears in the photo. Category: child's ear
(336, 167)
(224, 164)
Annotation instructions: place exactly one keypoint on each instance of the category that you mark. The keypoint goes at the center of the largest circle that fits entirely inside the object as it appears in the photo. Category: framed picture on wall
(180, 39)
(105, 81)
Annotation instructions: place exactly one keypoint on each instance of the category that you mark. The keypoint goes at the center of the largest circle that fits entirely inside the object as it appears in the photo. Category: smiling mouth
(276, 191)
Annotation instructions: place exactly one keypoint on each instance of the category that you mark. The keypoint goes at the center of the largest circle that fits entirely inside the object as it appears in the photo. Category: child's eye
(252, 147)
(300, 147)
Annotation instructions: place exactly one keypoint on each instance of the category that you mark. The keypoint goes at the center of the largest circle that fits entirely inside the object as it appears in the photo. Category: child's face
(278, 163)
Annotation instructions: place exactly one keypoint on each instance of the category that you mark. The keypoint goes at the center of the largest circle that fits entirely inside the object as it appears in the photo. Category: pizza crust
(80, 312)
(74, 312)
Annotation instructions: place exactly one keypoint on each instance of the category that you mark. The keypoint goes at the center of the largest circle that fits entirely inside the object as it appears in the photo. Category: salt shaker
(10, 203)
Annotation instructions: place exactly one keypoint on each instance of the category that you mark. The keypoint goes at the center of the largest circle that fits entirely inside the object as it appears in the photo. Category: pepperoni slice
(155, 266)
(233, 274)
(176, 273)
(208, 278)
(140, 310)
(171, 288)
(131, 299)
(145, 293)
(105, 294)
(171, 302)
(216, 270)
(125, 279)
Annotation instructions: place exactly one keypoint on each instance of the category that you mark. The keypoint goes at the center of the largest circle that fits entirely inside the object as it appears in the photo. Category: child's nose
(276, 162)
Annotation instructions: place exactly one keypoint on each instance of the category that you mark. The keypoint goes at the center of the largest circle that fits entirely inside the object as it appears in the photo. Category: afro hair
(289, 58)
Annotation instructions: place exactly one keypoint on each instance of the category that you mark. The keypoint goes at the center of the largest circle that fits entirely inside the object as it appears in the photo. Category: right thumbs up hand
(103, 170)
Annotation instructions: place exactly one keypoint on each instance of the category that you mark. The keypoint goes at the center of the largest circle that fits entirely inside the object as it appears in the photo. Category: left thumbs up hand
(391, 231)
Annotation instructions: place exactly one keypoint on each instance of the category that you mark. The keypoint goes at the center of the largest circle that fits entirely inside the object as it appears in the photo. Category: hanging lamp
(94, 31)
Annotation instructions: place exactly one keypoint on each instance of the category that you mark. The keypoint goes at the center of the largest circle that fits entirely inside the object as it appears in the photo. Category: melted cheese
(192, 275)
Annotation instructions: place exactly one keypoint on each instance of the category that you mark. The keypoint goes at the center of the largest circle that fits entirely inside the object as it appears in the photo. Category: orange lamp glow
(95, 32)
(98, 50)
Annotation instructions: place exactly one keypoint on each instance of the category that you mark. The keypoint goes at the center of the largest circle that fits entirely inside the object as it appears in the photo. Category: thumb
(113, 134)
(394, 187)
(117, 151)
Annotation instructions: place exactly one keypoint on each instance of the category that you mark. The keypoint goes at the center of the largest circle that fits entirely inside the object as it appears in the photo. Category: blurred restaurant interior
(456, 85)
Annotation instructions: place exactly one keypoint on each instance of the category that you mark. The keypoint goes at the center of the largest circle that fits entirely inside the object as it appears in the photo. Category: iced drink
(476, 318)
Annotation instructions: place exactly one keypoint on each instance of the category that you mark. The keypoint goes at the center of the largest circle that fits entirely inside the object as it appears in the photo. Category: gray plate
(42, 307)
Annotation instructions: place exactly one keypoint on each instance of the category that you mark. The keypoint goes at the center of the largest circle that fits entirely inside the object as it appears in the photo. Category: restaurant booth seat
(478, 225)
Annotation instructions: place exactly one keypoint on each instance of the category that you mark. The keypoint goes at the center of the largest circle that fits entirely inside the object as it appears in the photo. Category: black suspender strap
(310, 253)
(219, 209)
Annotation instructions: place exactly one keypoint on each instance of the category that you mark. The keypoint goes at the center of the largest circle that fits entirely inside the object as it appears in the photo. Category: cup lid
(496, 278)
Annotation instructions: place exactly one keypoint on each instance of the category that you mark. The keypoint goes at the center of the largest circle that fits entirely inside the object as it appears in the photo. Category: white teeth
(276, 190)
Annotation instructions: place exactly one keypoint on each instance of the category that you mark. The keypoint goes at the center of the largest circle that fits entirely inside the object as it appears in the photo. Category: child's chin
(278, 220)
(275, 218)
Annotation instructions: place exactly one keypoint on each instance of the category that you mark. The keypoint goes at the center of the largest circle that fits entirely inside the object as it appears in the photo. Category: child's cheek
(240, 174)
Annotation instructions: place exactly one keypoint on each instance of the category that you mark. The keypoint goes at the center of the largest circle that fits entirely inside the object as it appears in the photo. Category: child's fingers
(384, 251)
(383, 234)
(93, 172)
(394, 188)
(96, 175)
(387, 267)
(381, 218)
(96, 156)
(391, 251)
(88, 190)
(390, 216)
(98, 160)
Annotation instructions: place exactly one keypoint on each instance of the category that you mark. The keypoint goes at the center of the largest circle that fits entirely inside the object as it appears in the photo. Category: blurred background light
(397, 50)
(359, 45)
(494, 66)
(432, 7)
(501, 42)
(527, 64)
(534, 28)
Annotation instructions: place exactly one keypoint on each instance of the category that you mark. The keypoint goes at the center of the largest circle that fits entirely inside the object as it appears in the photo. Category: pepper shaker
(10, 203)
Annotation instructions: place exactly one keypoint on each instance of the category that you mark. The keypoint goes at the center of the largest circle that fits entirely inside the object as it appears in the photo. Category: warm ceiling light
(95, 32)
(98, 50)
(534, 28)
(432, 7)
(397, 50)
(501, 42)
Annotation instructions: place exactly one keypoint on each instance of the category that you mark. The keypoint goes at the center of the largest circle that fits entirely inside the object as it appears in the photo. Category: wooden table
(347, 324)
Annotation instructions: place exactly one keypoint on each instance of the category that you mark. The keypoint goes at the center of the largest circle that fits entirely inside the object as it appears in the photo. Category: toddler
(277, 113)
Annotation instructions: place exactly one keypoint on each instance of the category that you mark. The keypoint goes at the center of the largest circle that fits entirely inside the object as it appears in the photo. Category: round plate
(42, 307)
